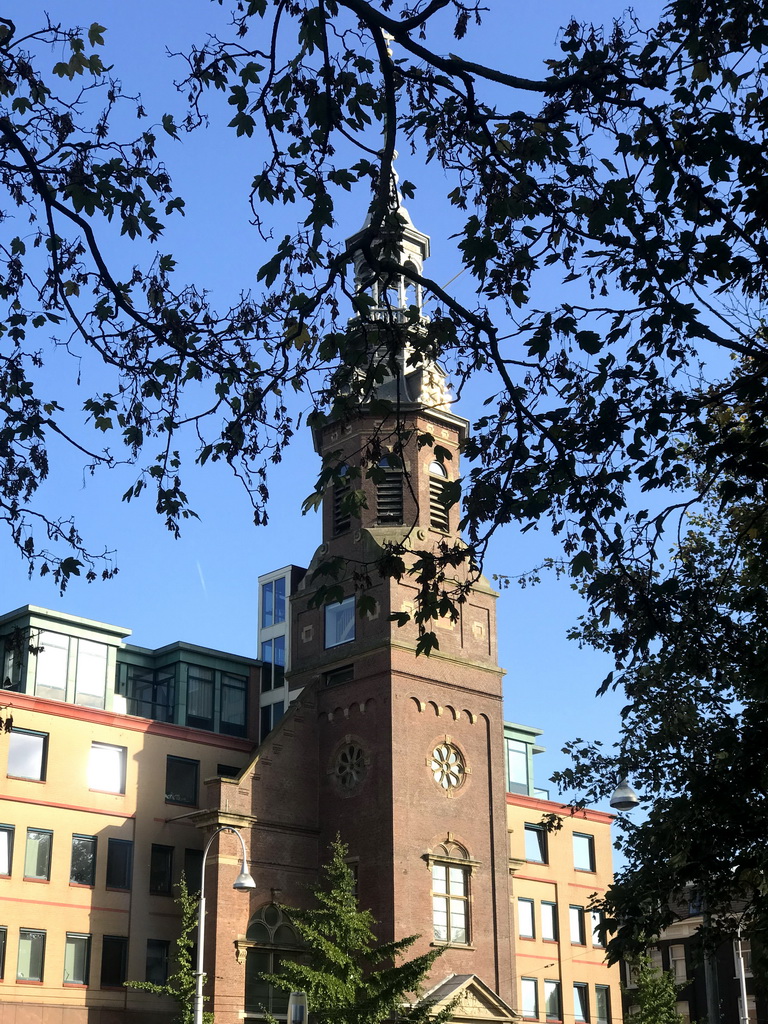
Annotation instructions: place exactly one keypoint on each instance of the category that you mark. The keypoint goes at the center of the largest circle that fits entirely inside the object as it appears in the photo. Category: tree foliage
(654, 998)
(181, 982)
(347, 976)
(612, 217)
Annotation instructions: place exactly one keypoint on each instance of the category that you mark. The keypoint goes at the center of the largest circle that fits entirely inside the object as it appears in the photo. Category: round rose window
(350, 766)
(447, 766)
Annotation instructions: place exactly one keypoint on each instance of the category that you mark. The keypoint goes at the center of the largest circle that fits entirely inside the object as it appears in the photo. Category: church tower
(410, 748)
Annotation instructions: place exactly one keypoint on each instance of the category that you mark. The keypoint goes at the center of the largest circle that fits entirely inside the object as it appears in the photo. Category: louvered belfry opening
(389, 494)
(342, 519)
(438, 510)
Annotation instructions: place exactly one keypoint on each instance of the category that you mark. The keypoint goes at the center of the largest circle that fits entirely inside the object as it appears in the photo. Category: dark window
(339, 675)
(553, 1006)
(200, 697)
(161, 870)
(31, 960)
(114, 959)
(267, 928)
(342, 517)
(227, 771)
(273, 602)
(37, 858)
(389, 492)
(181, 779)
(233, 705)
(270, 716)
(151, 693)
(77, 959)
(576, 918)
(583, 852)
(193, 869)
(27, 755)
(536, 844)
(119, 863)
(3, 942)
(157, 961)
(6, 849)
(83, 866)
(580, 1002)
(438, 506)
(273, 669)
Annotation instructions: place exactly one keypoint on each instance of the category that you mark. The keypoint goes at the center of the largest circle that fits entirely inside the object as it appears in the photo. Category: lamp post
(242, 883)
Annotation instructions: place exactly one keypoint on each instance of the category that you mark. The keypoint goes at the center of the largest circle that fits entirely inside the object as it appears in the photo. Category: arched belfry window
(438, 508)
(389, 492)
(342, 519)
(270, 941)
(451, 868)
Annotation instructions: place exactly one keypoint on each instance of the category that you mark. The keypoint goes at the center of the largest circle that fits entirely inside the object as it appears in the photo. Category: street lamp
(242, 883)
(624, 797)
(297, 1008)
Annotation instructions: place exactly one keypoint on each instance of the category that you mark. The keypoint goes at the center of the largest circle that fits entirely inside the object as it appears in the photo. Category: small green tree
(655, 996)
(348, 978)
(180, 985)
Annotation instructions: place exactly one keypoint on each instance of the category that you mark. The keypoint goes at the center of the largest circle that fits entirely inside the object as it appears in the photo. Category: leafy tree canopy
(347, 976)
(654, 998)
(613, 218)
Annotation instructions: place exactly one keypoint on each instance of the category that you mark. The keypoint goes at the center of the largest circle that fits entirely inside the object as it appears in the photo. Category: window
(37, 859)
(227, 771)
(151, 693)
(583, 852)
(553, 1004)
(82, 869)
(91, 680)
(530, 993)
(200, 693)
(106, 768)
(193, 869)
(603, 1004)
(576, 917)
(549, 922)
(517, 767)
(273, 602)
(27, 755)
(6, 849)
(389, 492)
(597, 921)
(233, 705)
(52, 665)
(273, 669)
(269, 941)
(77, 959)
(340, 622)
(337, 676)
(525, 926)
(536, 844)
(677, 963)
(580, 1002)
(450, 911)
(438, 507)
(119, 863)
(161, 870)
(181, 777)
(3, 943)
(31, 955)
(114, 959)
(156, 970)
(270, 716)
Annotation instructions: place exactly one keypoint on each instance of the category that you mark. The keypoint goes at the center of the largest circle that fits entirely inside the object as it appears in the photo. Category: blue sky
(202, 588)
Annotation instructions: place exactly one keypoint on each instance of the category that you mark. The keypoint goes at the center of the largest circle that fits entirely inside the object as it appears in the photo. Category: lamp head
(298, 1008)
(244, 880)
(624, 797)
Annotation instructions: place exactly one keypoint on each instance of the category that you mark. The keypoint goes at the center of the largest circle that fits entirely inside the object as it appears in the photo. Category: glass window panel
(91, 679)
(31, 955)
(3, 944)
(119, 863)
(267, 604)
(161, 870)
(549, 921)
(51, 671)
(27, 754)
(603, 1004)
(596, 918)
(535, 844)
(576, 918)
(530, 993)
(200, 696)
(181, 780)
(439, 876)
(525, 924)
(114, 957)
(280, 600)
(156, 968)
(266, 670)
(193, 869)
(37, 859)
(583, 852)
(233, 708)
(517, 766)
(106, 768)
(552, 1001)
(457, 880)
(6, 849)
(83, 865)
(580, 1002)
(340, 622)
(76, 959)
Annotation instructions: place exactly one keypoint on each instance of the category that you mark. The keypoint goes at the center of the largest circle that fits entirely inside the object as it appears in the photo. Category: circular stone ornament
(350, 766)
(447, 767)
